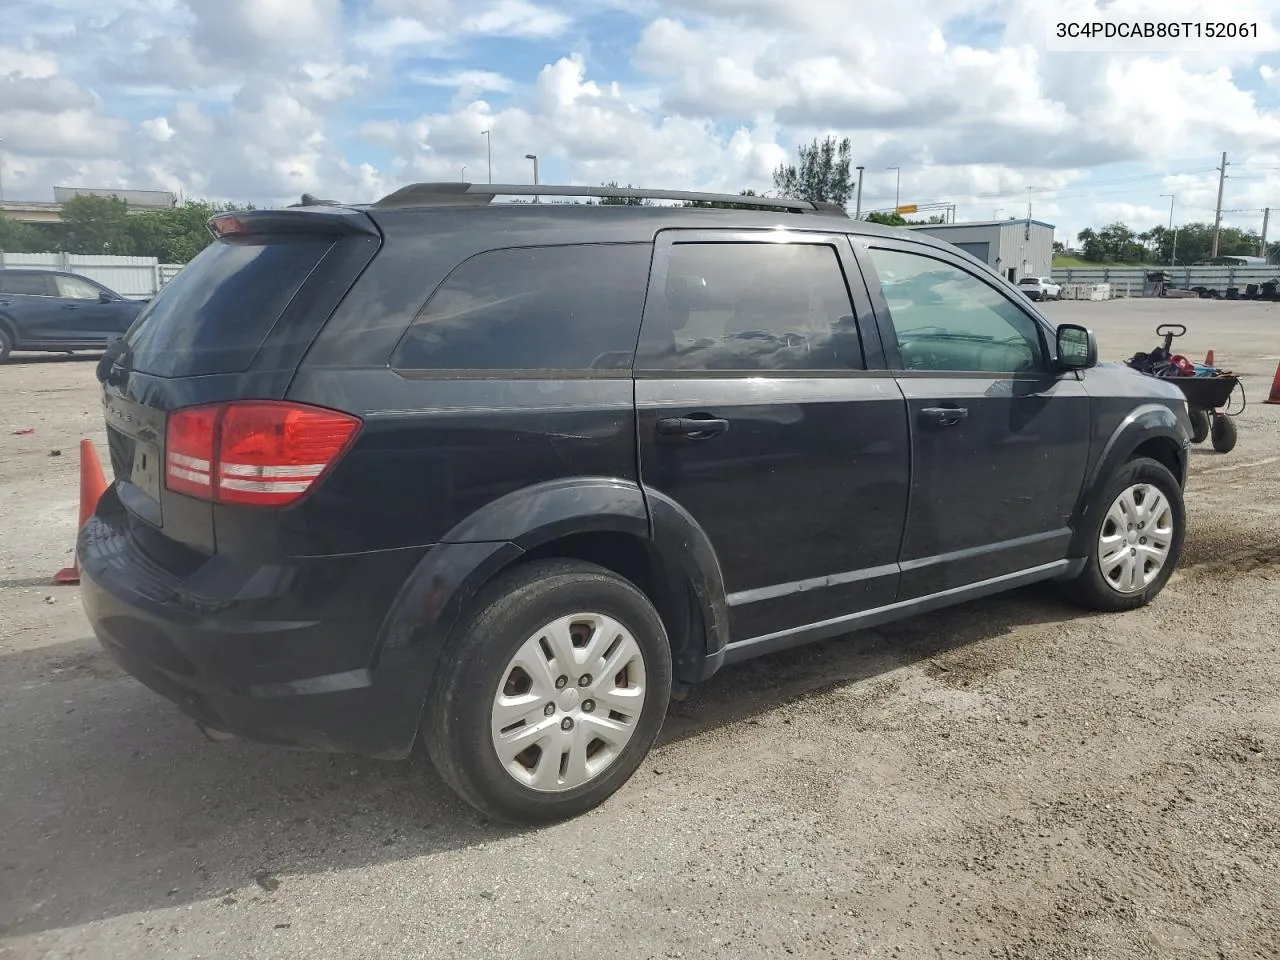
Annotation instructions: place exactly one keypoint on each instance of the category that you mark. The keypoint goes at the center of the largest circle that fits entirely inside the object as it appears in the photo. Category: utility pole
(858, 213)
(488, 139)
(1262, 244)
(1173, 255)
(897, 188)
(1217, 216)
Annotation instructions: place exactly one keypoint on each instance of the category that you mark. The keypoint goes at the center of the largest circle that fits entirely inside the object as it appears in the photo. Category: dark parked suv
(506, 476)
(52, 311)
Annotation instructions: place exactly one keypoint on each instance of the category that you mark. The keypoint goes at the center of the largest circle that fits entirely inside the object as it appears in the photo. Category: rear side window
(25, 284)
(215, 314)
(572, 307)
(753, 306)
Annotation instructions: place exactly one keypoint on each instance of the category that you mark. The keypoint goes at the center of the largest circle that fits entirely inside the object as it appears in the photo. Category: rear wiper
(116, 354)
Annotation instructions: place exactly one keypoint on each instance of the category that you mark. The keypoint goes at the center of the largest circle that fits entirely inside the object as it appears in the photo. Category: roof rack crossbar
(482, 193)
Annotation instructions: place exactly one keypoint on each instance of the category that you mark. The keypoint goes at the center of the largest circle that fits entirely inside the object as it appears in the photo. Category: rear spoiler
(332, 221)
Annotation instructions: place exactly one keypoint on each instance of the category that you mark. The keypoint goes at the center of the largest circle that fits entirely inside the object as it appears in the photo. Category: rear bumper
(284, 654)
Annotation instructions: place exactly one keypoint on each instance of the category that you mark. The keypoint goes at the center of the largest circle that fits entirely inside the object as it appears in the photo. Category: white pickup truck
(1040, 288)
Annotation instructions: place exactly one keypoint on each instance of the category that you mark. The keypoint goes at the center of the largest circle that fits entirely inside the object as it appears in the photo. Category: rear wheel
(551, 694)
(6, 345)
(1224, 433)
(1135, 538)
(1199, 424)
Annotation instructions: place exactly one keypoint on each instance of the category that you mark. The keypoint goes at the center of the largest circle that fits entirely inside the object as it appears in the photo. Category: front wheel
(6, 345)
(1224, 433)
(551, 693)
(1134, 538)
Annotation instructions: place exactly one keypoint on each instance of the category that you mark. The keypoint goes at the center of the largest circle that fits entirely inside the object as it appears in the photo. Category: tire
(1199, 424)
(514, 621)
(1095, 589)
(1224, 433)
(6, 344)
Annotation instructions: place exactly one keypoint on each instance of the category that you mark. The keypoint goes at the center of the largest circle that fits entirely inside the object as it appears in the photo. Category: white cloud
(515, 18)
(477, 81)
(258, 100)
(158, 129)
(17, 62)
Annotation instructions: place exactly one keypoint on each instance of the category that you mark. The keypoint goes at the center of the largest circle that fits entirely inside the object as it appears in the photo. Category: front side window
(754, 306)
(571, 307)
(73, 288)
(947, 319)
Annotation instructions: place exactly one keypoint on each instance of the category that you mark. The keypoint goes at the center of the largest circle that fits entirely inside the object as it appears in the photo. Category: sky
(258, 101)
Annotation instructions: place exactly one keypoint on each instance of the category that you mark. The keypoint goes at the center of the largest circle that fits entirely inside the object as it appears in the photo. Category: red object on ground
(1275, 388)
(93, 484)
(1208, 359)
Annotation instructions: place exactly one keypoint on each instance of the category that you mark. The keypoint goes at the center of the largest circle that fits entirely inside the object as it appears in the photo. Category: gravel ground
(1009, 778)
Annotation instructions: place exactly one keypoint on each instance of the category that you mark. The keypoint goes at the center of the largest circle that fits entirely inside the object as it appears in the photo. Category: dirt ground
(1006, 779)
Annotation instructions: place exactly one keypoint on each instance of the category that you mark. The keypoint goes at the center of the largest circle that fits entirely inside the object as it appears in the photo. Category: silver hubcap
(1136, 537)
(569, 702)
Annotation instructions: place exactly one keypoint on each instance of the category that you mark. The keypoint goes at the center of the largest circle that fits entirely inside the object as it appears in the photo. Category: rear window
(215, 314)
(570, 307)
(1029, 282)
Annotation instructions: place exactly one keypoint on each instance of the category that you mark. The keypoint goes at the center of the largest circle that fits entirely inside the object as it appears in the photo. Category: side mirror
(105, 297)
(1077, 347)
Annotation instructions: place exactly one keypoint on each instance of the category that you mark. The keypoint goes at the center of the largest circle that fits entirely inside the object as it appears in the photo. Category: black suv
(507, 476)
(52, 311)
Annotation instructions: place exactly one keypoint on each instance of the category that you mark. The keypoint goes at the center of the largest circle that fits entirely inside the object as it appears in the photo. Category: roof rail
(431, 194)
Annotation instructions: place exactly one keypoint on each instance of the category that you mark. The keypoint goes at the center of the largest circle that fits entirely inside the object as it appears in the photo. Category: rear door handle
(672, 429)
(943, 416)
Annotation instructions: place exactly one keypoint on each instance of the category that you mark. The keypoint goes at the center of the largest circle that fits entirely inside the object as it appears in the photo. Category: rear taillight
(258, 452)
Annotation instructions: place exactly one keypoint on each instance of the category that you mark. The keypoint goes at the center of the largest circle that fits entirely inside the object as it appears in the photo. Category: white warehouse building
(1015, 248)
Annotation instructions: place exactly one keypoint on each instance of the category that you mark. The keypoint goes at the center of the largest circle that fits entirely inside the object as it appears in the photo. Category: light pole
(488, 139)
(464, 173)
(897, 188)
(1, 172)
(858, 212)
(995, 214)
(534, 158)
(1173, 254)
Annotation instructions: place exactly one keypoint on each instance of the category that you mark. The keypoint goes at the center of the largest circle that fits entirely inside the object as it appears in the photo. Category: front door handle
(943, 416)
(672, 429)
(69, 306)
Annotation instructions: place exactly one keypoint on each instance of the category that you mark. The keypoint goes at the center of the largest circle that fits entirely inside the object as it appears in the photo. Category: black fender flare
(432, 599)
(1145, 423)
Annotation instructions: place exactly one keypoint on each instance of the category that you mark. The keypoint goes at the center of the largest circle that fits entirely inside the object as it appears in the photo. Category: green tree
(622, 201)
(178, 234)
(822, 173)
(96, 225)
(888, 219)
(19, 237)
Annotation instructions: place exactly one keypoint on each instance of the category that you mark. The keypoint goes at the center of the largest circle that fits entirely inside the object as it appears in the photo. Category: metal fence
(127, 276)
(1129, 281)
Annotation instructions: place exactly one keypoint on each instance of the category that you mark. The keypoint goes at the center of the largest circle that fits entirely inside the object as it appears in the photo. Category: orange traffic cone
(1275, 388)
(93, 484)
(1208, 359)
